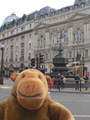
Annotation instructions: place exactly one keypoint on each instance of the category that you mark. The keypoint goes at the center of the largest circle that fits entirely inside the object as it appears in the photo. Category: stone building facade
(40, 33)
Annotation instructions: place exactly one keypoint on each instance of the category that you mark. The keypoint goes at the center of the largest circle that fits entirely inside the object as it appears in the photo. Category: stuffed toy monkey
(29, 99)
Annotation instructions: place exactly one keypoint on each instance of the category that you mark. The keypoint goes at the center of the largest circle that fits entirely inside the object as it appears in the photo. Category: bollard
(80, 85)
(1, 81)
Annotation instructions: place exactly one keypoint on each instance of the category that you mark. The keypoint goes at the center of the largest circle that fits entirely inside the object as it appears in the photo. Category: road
(77, 103)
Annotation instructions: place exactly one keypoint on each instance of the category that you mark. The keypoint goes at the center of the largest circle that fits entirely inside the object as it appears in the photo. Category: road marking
(83, 116)
(5, 87)
(73, 101)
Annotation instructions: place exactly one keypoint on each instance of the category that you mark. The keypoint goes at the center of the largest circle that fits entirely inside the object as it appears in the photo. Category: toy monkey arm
(59, 112)
(2, 109)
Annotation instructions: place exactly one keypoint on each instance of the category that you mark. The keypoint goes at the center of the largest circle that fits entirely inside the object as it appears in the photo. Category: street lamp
(1, 79)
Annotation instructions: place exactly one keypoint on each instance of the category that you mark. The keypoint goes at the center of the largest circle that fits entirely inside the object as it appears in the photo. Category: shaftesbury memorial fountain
(60, 63)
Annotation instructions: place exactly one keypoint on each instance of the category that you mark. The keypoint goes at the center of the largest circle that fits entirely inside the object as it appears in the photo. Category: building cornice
(21, 33)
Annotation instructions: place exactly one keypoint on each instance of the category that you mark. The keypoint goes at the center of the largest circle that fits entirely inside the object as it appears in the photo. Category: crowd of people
(60, 81)
(77, 81)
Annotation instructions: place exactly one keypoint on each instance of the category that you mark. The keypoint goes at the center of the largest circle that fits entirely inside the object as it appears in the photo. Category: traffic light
(41, 59)
(33, 61)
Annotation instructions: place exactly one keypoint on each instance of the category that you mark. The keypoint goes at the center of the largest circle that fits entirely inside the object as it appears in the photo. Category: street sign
(50, 66)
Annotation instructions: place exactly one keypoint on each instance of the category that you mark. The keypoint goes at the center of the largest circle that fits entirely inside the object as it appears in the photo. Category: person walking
(77, 79)
(86, 79)
(64, 80)
(59, 81)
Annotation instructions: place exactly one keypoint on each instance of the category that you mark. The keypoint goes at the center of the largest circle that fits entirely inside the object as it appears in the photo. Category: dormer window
(12, 32)
(82, 4)
(3, 35)
(30, 25)
(75, 6)
(67, 9)
(22, 29)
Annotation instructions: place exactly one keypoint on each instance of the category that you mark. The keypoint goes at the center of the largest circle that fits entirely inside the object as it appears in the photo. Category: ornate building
(40, 33)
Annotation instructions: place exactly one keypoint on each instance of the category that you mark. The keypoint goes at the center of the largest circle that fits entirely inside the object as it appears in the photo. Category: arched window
(58, 37)
(41, 41)
(52, 38)
(66, 35)
(74, 37)
(78, 34)
(82, 4)
(74, 53)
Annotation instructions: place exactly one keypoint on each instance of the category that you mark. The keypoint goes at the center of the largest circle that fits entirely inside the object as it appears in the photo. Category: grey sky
(20, 7)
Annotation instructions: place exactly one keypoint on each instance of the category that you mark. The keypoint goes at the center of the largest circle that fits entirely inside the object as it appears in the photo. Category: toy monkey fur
(29, 99)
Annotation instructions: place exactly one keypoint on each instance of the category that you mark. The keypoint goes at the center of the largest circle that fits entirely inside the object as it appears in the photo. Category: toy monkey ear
(13, 76)
(48, 78)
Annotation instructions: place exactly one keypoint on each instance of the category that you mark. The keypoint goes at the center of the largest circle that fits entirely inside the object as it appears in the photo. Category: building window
(46, 56)
(83, 51)
(7, 34)
(67, 9)
(16, 58)
(80, 51)
(22, 29)
(38, 43)
(76, 6)
(12, 32)
(22, 38)
(29, 45)
(74, 53)
(17, 30)
(29, 58)
(66, 35)
(30, 35)
(82, 4)
(30, 25)
(41, 41)
(3, 35)
(11, 53)
(16, 49)
(86, 53)
(70, 54)
(58, 37)
(74, 37)
(22, 51)
(52, 38)
(11, 40)
(78, 34)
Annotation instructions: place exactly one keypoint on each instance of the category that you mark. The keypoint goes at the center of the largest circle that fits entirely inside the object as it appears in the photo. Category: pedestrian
(86, 79)
(59, 81)
(77, 79)
(64, 80)
(55, 82)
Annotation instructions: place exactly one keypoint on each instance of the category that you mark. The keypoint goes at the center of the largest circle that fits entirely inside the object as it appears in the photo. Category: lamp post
(1, 79)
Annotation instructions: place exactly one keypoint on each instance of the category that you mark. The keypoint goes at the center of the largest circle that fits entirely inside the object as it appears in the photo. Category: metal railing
(69, 84)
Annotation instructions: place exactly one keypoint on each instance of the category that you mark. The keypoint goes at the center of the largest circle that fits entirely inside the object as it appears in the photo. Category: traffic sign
(50, 66)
